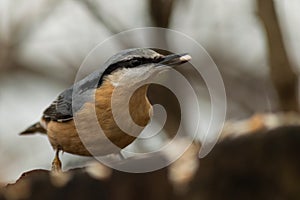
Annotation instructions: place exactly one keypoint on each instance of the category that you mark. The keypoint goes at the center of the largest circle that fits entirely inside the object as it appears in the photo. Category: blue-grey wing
(72, 99)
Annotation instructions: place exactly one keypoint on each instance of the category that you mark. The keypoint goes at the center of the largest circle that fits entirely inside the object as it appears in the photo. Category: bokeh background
(255, 44)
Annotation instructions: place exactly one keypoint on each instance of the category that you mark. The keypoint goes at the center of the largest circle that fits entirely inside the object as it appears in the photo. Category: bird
(94, 93)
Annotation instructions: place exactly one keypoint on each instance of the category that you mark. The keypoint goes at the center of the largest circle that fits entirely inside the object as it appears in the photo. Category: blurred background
(255, 44)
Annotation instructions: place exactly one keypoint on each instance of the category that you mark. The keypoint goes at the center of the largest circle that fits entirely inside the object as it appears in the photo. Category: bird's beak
(175, 59)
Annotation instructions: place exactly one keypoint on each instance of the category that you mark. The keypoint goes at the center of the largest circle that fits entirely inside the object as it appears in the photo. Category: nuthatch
(94, 93)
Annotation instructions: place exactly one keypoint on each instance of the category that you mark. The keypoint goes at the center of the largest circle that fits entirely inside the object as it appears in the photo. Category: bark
(261, 165)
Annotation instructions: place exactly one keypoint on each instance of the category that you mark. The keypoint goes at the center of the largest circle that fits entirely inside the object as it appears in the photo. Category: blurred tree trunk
(282, 75)
(160, 11)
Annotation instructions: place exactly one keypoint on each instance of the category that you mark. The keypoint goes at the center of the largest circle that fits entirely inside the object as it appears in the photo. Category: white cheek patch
(115, 84)
(115, 77)
(131, 76)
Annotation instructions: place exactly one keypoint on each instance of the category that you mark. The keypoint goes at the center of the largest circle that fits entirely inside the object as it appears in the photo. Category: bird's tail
(37, 127)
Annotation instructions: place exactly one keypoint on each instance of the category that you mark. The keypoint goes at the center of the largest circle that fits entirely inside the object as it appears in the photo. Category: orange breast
(65, 135)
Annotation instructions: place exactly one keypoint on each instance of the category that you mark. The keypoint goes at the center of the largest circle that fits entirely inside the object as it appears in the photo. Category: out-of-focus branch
(282, 75)
(94, 10)
(19, 33)
(24, 28)
(113, 25)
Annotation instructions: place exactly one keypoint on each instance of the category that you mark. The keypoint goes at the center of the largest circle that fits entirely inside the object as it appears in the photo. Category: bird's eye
(135, 62)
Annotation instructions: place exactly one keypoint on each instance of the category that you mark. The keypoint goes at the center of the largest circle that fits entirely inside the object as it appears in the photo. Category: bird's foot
(56, 163)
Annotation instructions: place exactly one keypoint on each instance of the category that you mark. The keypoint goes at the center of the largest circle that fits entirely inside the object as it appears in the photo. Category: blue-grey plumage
(125, 69)
(80, 92)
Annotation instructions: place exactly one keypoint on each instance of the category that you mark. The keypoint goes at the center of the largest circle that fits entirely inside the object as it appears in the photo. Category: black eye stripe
(134, 62)
(130, 64)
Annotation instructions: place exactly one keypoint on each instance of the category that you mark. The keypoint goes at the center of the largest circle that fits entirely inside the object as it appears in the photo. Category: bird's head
(138, 65)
